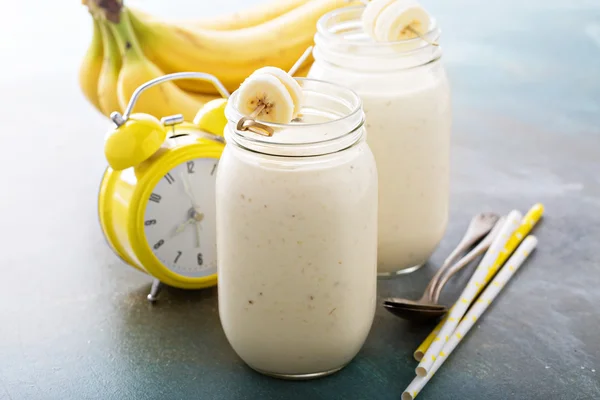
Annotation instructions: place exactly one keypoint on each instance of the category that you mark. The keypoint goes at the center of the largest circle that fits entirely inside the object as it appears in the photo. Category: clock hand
(198, 217)
(188, 189)
(198, 229)
(195, 217)
(182, 227)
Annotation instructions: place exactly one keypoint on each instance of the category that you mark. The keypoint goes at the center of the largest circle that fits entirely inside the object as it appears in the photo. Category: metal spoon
(426, 307)
(427, 311)
(420, 313)
(479, 226)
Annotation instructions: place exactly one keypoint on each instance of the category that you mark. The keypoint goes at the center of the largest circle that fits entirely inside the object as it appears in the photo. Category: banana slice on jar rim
(371, 13)
(273, 90)
(395, 20)
(290, 83)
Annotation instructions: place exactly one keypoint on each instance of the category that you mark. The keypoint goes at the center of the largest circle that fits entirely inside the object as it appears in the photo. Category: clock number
(190, 167)
(158, 244)
(150, 222)
(214, 169)
(177, 258)
(200, 260)
(155, 198)
(169, 179)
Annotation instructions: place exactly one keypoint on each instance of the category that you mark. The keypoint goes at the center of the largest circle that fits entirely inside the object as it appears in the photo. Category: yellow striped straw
(529, 221)
(487, 297)
(504, 231)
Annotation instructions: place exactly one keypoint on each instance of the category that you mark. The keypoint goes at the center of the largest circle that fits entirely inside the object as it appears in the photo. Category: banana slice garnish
(290, 83)
(273, 90)
(394, 20)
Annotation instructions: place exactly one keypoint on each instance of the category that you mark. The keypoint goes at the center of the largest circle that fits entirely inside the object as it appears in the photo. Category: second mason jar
(406, 99)
(297, 237)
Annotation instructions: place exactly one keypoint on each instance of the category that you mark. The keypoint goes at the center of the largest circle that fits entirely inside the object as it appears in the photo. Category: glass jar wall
(297, 237)
(406, 99)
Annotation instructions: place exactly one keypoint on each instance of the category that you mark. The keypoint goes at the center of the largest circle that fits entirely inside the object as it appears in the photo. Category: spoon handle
(478, 250)
(467, 241)
(426, 298)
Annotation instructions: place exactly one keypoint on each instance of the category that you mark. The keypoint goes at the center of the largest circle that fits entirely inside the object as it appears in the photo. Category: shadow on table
(172, 297)
(181, 325)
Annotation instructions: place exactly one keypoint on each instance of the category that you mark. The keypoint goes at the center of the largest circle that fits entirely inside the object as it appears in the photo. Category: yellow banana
(231, 55)
(109, 74)
(203, 98)
(245, 18)
(160, 100)
(90, 68)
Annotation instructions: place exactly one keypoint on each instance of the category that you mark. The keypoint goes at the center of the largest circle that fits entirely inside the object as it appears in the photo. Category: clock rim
(148, 175)
(137, 236)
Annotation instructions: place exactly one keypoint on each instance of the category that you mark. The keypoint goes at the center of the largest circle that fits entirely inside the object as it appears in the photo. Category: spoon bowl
(419, 314)
(414, 305)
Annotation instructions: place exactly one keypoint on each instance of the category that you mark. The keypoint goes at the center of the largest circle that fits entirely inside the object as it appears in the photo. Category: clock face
(179, 221)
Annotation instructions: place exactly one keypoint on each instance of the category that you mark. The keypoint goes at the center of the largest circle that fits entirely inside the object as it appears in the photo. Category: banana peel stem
(108, 9)
(125, 37)
(111, 54)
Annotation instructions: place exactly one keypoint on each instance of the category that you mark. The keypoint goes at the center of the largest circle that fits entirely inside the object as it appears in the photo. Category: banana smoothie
(297, 237)
(406, 98)
(409, 136)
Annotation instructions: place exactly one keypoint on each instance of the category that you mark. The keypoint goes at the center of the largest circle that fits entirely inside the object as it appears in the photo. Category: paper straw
(459, 309)
(529, 221)
(488, 295)
(420, 351)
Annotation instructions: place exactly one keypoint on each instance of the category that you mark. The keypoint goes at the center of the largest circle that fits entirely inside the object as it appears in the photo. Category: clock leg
(154, 290)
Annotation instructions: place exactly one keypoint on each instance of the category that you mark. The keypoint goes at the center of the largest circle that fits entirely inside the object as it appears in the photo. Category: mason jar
(297, 237)
(406, 99)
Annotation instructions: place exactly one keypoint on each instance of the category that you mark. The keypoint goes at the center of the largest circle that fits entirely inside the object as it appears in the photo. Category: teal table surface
(74, 320)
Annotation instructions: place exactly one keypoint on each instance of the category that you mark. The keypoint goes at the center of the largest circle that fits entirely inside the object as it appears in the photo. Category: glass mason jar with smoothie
(296, 226)
(387, 53)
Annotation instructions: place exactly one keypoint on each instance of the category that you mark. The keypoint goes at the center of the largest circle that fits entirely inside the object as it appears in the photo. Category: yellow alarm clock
(157, 197)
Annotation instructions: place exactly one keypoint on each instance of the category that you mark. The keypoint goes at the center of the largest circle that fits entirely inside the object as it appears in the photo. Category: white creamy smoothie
(406, 99)
(297, 240)
(409, 136)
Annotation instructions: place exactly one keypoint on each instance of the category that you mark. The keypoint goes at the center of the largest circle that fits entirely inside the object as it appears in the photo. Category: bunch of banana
(130, 47)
